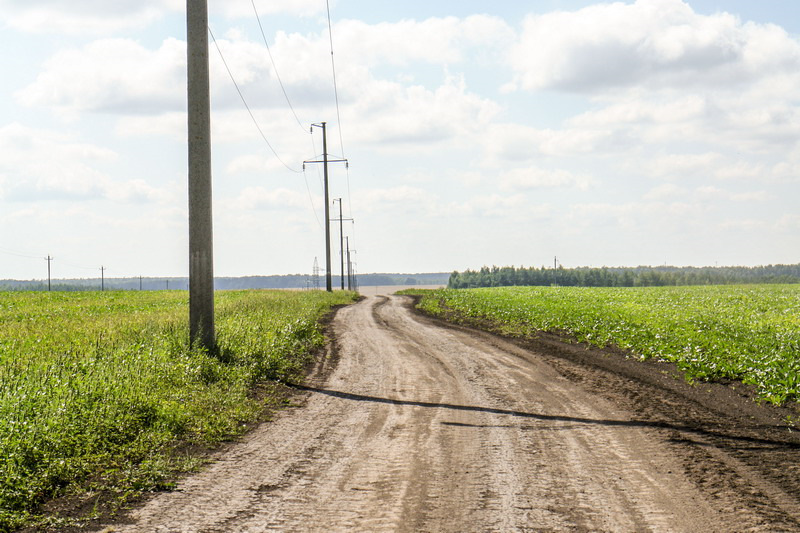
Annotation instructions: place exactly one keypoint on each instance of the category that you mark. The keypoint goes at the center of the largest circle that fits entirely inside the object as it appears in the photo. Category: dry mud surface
(410, 425)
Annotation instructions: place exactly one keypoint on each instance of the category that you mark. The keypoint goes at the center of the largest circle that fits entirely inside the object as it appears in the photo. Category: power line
(272, 60)
(311, 199)
(252, 116)
(336, 95)
(17, 254)
(316, 154)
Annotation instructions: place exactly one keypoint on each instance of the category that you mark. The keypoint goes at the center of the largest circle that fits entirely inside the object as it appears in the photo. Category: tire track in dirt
(425, 428)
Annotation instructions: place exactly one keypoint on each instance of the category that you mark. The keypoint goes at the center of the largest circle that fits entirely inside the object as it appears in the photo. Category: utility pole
(555, 270)
(102, 278)
(341, 236)
(349, 268)
(48, 259)
(201, 244)
(140, 282)
(341, 241)
(325, 161)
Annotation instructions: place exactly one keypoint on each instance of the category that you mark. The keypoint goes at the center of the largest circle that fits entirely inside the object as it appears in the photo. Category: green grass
(749, 333)
(96, 389)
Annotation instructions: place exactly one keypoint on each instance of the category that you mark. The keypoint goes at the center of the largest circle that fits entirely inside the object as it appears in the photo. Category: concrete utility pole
(48, 259)
(341, 242)
(555, 270)
(102, 278)
(325, 161)
(341, 236)
(349, 268)
(201, 246)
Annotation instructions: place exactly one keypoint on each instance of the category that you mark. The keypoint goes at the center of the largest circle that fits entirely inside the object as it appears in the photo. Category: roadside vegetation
(749, 333)
(98, 391)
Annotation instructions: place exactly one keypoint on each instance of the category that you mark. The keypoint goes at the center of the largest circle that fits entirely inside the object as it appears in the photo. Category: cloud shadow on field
(652, 424)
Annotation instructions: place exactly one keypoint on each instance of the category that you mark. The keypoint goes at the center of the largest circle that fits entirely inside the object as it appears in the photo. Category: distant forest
(291, 281)
(641, 276)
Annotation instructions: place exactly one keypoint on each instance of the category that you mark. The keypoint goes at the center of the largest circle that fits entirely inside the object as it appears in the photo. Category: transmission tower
(315, 277)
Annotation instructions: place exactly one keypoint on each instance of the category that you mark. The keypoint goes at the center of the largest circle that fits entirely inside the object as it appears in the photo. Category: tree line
(641, 276)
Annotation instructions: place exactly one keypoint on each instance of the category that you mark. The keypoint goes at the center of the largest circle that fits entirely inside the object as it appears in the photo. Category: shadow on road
(764, 444)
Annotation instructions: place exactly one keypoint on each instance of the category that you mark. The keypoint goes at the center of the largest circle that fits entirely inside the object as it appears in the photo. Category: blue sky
(626, 133)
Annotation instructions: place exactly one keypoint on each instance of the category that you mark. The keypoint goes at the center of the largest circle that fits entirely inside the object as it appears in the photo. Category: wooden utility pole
(325, 161)
(201, 246)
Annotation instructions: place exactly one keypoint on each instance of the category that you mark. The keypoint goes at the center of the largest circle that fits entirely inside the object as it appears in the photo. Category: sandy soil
(412, 425)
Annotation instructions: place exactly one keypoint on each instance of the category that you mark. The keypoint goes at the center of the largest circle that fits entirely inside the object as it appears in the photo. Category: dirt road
(411, 426)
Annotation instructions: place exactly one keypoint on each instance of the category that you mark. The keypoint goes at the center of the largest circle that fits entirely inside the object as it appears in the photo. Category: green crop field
(98, 388)
(749, 333)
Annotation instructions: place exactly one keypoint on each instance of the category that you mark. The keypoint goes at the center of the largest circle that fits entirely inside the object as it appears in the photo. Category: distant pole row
(325, 161)
(341, 239)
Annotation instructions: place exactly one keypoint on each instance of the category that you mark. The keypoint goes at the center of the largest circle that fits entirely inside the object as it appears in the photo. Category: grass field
(97, 389)
(749, 333)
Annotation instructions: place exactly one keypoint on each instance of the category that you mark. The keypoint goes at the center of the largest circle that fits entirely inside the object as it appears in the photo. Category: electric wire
(319, 178)
(18, 254)
(28, 256)
(241, 96)
(252, 116)
(311, 199)
(275, 68)
(7, 251)
(338, 115)
(79, 266)
(316, 155)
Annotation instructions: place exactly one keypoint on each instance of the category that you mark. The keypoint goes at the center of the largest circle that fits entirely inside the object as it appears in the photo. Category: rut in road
(424, 428)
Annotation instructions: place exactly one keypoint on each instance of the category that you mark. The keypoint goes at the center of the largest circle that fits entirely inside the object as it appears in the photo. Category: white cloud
(788, 223)
(495, 205)
(396, 115)
(146, 87)
(48, 165)
(741, 170)
(301, 8)
(659, 43)
(112, 75)
(751, 197)
(744, 224)
(435, 40)
(80, 17)
(517, 143)
(665, 191)
(257, 198)
(680, 165)
(84, 16)
(525, 178)
(396, 199)
(705, 193)
(170, 124)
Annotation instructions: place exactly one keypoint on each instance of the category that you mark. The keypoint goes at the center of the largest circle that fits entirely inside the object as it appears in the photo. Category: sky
(643, 132)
